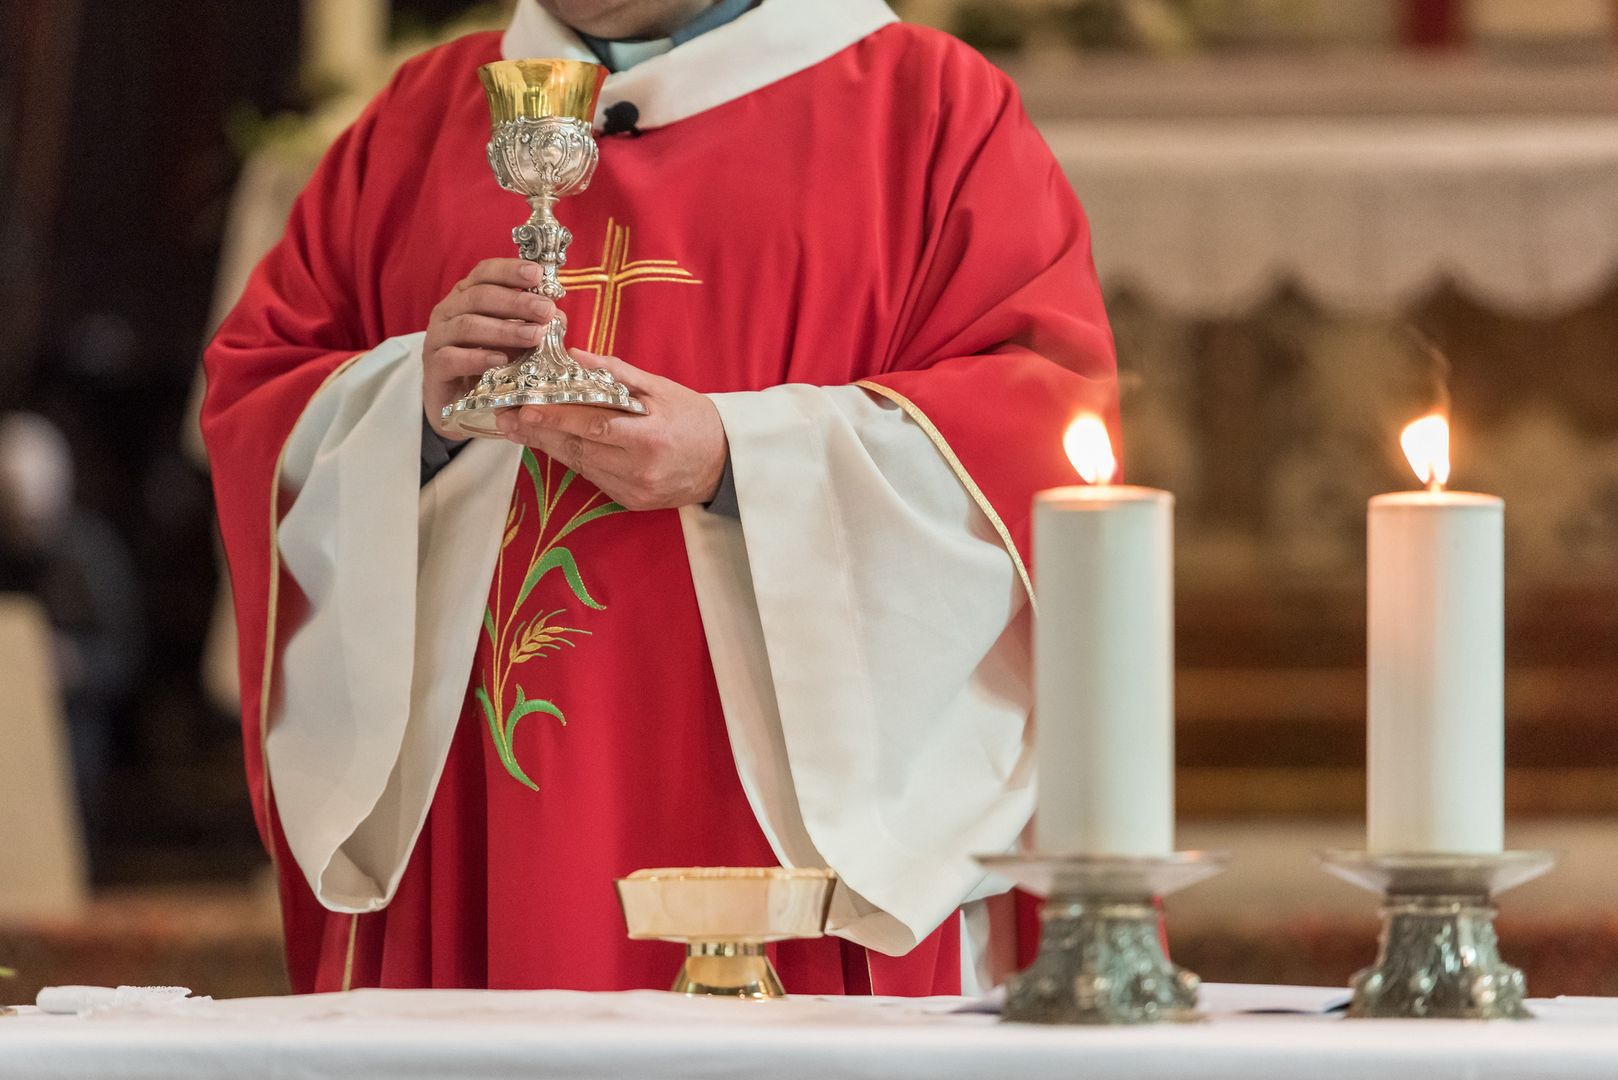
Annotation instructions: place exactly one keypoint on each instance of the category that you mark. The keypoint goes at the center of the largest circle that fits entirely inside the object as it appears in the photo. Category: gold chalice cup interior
(724, 915)
(533, 89)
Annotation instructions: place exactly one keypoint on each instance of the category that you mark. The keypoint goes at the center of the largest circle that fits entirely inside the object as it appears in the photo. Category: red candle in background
(1432, 24)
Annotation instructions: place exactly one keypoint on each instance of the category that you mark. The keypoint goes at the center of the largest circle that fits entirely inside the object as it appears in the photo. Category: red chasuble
(888, 216)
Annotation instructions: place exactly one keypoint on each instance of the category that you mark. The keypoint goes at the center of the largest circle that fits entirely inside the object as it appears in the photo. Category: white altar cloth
(1207, 217)
(402, 1035)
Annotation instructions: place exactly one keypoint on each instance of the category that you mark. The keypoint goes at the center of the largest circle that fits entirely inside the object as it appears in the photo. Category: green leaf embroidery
(531, 463)
(524, 707)
(587, 517)
(502, 744)
(513, 640)
(489, 715)
(558, 557)
(561, 488)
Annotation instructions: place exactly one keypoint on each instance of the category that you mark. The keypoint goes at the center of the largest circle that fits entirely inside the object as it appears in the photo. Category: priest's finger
(452, 361)
(594, 461)
(590, 422)
(577, 453)
(499, 302)
(628, 490)
(512, 273)
(469, 330)
(636, 433)
(626, 373)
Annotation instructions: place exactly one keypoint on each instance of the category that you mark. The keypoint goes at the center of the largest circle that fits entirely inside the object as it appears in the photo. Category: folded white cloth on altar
(78, 1000)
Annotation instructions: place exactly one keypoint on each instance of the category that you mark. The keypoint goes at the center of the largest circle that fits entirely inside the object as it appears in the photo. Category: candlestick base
(1437, 955)
(1101, 958)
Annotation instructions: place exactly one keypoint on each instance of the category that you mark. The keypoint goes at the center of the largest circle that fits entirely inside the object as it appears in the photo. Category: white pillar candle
(1104, 666)
(1435, 658)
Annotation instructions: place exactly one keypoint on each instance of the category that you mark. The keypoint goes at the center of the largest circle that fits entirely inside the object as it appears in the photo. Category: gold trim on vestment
(971, 485)
(348, 962)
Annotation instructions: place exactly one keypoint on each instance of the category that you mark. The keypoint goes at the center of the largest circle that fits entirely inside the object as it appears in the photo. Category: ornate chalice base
(542, 376)
(1101, 958)
(724, 915)
(543, 158)
(1437, 955)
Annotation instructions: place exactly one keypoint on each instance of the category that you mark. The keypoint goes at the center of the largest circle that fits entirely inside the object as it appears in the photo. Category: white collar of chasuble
(776, 39)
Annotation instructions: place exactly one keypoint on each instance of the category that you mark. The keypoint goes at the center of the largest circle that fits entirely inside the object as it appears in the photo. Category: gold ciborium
(724, 915)
(541, 147)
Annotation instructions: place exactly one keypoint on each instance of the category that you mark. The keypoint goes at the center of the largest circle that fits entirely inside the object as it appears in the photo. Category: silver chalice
(541, 148)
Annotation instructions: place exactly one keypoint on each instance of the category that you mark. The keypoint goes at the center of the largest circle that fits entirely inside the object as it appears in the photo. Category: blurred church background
(1315, 219)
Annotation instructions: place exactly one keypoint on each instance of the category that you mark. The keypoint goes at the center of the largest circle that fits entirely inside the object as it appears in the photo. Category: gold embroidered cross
(608, 280)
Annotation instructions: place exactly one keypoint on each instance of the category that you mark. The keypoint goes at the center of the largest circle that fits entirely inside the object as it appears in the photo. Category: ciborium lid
(530, 89)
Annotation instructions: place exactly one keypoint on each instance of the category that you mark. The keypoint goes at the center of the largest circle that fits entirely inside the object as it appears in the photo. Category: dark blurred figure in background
(72, 561)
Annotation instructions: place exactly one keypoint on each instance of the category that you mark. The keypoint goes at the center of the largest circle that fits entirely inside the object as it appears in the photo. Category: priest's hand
(673, 456)
(487, 319)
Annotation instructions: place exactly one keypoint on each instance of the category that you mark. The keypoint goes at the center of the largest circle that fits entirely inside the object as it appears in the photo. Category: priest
(783, 618)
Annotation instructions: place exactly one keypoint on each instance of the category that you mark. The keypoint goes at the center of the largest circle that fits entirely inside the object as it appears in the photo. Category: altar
(372, 1035)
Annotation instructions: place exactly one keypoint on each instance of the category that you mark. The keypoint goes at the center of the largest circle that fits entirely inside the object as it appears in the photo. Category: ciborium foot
(728, 969)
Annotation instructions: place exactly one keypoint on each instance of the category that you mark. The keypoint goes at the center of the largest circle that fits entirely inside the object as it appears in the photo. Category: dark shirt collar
(711, 18)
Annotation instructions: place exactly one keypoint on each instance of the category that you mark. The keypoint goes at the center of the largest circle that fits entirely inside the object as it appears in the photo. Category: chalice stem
(544, 240)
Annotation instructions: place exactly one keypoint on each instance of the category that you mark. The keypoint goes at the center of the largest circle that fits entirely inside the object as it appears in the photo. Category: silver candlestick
(542, 148)
(1101, 958)
(1437, 955)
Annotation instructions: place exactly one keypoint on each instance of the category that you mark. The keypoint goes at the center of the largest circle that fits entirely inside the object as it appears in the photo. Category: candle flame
(1426, 445)
(1090, 449)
